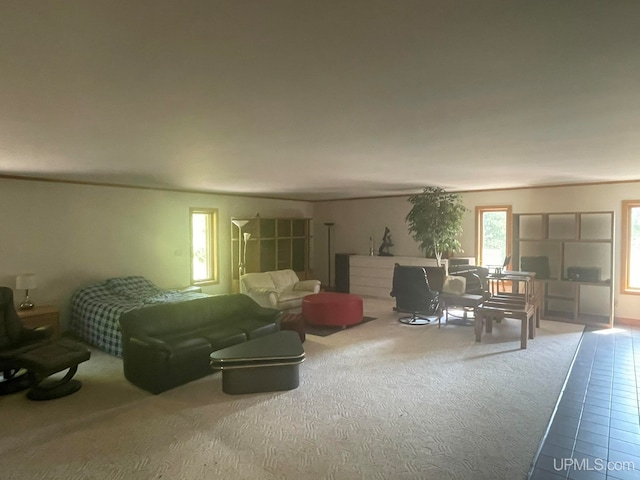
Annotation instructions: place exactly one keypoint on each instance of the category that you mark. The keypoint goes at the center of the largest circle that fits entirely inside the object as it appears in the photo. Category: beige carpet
(380, 401)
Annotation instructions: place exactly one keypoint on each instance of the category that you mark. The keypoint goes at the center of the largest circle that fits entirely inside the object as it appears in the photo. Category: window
(204, 245)
(493, 234)
(630, 246)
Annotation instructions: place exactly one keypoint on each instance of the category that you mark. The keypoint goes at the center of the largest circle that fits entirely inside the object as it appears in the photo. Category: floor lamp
(240, 224)
(329, 225)
(246, 236)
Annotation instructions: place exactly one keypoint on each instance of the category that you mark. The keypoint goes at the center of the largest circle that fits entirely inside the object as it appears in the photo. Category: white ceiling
(320, 99)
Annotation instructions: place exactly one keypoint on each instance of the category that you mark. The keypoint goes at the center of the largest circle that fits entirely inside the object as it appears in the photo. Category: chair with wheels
(414, 295)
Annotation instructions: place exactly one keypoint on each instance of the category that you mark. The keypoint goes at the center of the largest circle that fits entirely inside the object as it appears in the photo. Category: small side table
(41, 315)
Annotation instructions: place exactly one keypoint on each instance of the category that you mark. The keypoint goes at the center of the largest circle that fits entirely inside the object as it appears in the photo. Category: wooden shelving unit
(568, 240)
(275, 244)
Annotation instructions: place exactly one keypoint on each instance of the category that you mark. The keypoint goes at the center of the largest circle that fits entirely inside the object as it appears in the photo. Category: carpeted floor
(325, 331)
(380, 401)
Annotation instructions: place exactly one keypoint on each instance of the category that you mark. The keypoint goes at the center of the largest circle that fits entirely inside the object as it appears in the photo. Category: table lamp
(26, 281)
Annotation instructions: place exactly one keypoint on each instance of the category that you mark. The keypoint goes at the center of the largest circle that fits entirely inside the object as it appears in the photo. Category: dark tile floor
(595, 430)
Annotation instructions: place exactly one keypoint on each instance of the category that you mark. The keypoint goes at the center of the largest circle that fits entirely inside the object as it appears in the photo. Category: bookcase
(275, 244)
(577, 286)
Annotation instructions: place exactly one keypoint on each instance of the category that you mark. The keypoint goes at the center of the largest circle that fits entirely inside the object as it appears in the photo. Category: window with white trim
(204, 245)
(630, 247)
(493, 234)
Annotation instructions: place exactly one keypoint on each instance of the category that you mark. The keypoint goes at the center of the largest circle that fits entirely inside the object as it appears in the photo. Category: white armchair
(281, 289)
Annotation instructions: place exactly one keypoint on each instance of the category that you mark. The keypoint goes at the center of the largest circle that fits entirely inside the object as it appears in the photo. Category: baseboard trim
(626, 321)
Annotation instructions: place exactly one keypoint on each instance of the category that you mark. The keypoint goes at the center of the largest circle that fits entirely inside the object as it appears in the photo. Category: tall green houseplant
(435, 221)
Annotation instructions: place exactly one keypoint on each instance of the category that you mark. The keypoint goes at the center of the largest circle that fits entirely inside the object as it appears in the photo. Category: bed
(96, 309)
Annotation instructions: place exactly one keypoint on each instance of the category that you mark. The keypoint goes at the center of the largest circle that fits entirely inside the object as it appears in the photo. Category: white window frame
(211, 249)
(626, 248)
(480, 211)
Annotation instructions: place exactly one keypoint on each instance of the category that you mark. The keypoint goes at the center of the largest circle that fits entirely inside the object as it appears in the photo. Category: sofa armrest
(307, 286)
(265, 297)
(146, 362)
(267, 314)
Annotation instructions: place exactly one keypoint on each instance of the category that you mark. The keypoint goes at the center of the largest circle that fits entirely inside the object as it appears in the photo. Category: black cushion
(412, 291)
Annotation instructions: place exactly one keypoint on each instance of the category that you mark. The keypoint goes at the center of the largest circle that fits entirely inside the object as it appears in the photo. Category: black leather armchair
(414, 295)
(15, 339)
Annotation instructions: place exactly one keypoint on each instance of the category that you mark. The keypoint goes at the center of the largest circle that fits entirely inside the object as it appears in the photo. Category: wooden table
(463, 301)
(523, 306)
(487, 312)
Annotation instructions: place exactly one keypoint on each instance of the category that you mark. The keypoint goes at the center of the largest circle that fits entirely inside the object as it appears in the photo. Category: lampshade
(239, 223)
(246, 236)
(26, 281)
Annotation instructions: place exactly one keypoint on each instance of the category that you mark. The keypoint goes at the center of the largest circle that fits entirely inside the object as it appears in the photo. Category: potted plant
(435, 221)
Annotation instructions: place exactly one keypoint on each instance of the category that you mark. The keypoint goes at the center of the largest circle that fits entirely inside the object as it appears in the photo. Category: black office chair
(414, 295)
(15, 339)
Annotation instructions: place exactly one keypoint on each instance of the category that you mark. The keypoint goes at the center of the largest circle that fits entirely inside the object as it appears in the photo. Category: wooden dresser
(41, 315)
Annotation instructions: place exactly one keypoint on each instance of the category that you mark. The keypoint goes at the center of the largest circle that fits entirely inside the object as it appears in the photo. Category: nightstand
(41, 315)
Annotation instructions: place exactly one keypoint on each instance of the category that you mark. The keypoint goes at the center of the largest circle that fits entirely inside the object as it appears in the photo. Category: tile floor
(595, 431)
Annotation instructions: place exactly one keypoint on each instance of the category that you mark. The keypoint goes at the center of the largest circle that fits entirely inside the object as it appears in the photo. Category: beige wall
(72, 235)
(357, 220)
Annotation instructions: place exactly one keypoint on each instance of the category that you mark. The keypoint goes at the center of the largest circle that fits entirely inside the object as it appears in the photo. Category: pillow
(133, 287)
(454, 285)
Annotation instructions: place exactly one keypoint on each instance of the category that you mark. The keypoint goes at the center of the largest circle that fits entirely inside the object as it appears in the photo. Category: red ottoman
(332, 308)
(295, 322)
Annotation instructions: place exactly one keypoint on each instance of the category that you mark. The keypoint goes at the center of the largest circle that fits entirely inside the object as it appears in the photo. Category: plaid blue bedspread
(96, 309)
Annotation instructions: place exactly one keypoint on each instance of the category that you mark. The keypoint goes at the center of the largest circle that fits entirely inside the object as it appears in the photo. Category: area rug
(325, 331)
(294, 321)
(457, 317)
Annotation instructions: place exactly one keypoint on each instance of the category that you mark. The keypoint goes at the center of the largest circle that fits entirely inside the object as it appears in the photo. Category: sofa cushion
(291, 300)
(284, 280)
(454, 285)
(185, 342)
(258, 281)
(288, 296)
(223, 337)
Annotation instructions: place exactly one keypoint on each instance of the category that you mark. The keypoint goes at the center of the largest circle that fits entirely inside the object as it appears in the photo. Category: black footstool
(49, 359)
